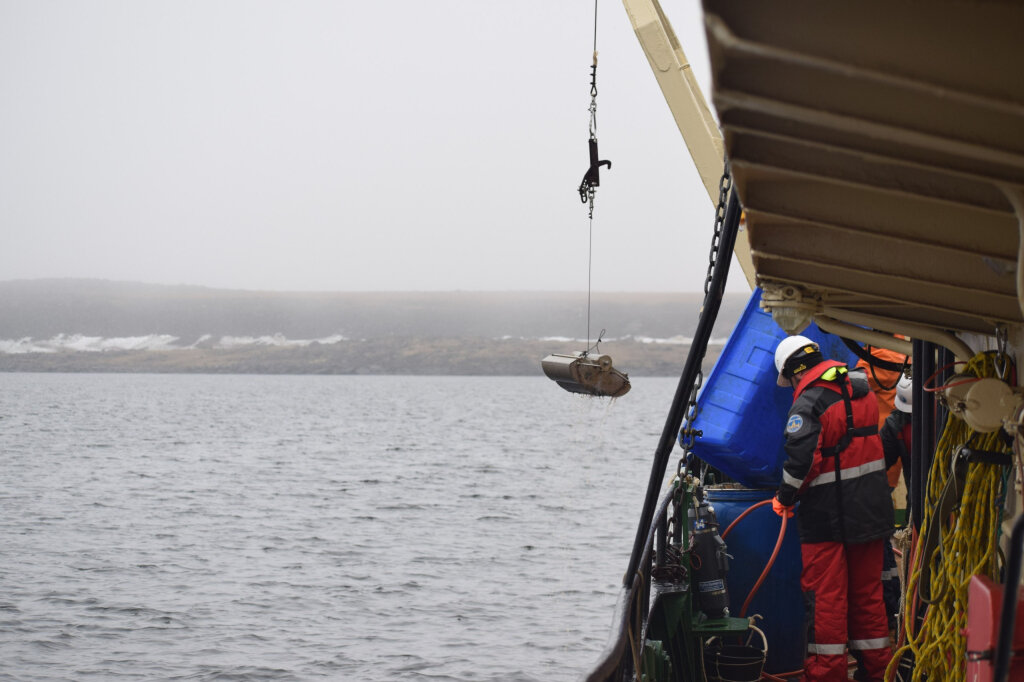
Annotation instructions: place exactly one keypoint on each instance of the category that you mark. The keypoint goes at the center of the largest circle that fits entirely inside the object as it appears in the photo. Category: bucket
(779, 600)
(734, 662)
(741, 411)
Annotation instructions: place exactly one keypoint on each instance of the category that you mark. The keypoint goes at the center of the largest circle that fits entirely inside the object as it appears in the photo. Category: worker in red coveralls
(836, 470)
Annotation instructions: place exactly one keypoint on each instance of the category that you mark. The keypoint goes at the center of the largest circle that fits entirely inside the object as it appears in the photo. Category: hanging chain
(587, 187)
(593, 113)
(723, 194)
(687, 434)
(590, 181)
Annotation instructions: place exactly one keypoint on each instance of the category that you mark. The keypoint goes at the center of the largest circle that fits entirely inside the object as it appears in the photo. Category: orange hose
(767, 568)
(769, 676)
(763, 577)
(771, 560)
(745, 512)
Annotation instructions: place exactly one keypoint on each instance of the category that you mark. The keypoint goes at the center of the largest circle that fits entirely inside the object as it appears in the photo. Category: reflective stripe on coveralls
(789, 479)
(864, 644)
(827, 649)
(848, 473)
(839, 576)
(856, 644)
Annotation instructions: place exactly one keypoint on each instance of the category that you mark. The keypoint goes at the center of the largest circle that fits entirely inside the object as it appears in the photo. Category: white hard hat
(789, 347)
(904, 401)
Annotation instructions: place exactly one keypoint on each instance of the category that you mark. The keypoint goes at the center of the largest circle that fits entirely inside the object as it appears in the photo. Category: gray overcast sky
(341, 145)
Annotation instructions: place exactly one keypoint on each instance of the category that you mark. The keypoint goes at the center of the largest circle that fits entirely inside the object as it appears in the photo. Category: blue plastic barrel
(742, 412)
(779, 600)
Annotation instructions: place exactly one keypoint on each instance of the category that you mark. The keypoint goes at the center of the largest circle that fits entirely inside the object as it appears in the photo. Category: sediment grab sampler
(582, 372)
(585, 373)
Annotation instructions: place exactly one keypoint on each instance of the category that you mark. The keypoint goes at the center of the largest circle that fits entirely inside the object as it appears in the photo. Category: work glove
(782, 509)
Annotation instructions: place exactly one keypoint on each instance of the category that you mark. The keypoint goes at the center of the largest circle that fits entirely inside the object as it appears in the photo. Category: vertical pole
(946, 359)
(928, 439)
(1008, 617)
(916, 439)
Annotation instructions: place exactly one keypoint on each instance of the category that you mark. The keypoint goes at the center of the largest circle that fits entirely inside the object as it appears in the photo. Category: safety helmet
(904, 401)
(790, 355)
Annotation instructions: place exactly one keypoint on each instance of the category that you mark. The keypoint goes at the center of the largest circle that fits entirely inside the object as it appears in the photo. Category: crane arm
(686, 102)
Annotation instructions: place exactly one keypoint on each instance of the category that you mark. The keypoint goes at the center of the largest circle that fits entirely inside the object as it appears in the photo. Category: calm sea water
(176, 527)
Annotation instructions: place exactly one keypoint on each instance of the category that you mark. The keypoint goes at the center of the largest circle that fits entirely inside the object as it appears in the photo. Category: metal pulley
(587, 374)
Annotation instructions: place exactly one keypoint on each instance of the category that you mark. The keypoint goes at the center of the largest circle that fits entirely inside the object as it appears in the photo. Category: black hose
(867, 357)
(916, 436)
(708, 315)
(928, 425)
(946, 360)
(1008, 618)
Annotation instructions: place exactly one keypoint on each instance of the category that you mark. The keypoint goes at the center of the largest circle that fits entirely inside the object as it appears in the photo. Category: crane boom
(686, 102)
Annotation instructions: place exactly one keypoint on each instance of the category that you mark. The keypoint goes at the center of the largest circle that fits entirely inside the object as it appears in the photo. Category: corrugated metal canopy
(878, 148)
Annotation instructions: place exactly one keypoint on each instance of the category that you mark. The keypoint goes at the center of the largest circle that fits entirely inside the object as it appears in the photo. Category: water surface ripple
(184, 527)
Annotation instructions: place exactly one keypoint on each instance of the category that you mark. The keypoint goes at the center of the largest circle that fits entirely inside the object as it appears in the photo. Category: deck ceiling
(878, 149)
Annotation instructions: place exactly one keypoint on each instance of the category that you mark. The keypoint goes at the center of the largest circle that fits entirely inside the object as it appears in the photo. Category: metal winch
(584, 373)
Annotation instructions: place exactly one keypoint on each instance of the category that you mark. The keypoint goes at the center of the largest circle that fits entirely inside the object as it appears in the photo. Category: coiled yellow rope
(967, 547)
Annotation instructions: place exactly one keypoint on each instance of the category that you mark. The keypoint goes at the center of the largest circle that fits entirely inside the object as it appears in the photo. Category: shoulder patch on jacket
(794, 424)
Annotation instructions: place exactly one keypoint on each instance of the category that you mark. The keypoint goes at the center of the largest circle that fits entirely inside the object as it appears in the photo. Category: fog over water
(295, 527)
(342, 146)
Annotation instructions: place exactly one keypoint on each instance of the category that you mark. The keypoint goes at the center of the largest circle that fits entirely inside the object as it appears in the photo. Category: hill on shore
(95, 325)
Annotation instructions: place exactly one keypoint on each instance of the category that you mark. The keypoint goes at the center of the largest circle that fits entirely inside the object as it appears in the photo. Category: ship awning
(878, 150)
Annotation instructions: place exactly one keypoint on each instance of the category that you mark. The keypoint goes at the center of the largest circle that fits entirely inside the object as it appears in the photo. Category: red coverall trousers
(843, 589)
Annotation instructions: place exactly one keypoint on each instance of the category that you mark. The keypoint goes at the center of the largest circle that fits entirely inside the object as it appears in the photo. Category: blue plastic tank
(742, 411)
(779, 599)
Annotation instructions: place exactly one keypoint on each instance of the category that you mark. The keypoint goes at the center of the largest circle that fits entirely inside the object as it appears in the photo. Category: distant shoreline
(408, 356)
(101, 326)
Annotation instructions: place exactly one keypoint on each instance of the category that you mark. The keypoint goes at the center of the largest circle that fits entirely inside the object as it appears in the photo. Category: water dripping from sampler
(590, 422)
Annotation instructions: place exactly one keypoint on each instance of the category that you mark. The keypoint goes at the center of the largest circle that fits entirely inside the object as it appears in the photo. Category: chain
(723, 194)
(593, 115)
(688, 435)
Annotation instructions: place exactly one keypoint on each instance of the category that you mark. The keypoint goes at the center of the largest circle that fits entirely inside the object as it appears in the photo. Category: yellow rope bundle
(967, 547)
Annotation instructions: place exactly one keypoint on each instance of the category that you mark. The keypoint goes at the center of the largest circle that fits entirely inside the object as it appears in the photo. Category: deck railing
(618, 660)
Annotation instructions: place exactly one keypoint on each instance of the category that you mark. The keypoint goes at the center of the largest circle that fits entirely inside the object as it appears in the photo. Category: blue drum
(779, 600)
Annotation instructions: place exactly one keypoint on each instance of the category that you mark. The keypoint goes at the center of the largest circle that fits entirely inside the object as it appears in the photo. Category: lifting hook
(592, 178)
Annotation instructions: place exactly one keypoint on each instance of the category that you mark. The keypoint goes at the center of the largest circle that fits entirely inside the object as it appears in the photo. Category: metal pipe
(927, 416)
(911, 329)
(916, 441)
(946, 370)
(1015, 194)
(661, 543)
(849, 331)
(709, 312)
